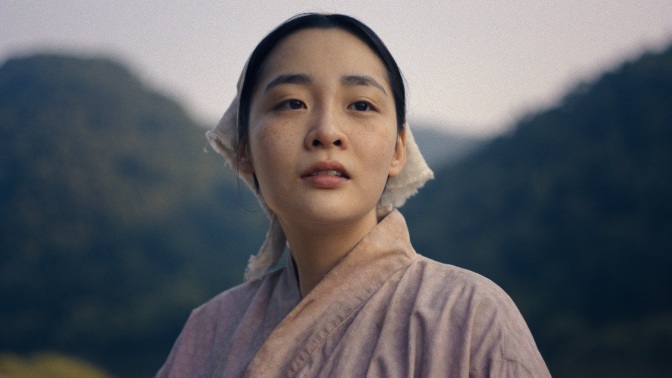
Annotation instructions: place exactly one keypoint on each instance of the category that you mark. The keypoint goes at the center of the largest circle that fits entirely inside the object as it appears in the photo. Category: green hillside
(114, 221)
(572, 214)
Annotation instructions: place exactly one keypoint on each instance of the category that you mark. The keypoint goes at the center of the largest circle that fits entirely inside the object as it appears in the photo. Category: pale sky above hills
(472, 66)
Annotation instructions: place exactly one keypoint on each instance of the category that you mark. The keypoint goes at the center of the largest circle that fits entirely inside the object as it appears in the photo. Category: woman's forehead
(322, 52)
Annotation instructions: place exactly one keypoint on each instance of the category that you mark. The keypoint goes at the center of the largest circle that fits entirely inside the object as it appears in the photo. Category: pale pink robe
(384, 311)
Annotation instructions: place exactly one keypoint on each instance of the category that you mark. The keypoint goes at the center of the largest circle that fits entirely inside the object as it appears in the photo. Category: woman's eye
(361, 106)
(292, 104)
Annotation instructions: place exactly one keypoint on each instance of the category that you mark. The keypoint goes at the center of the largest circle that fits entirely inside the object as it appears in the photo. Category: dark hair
(321, 21)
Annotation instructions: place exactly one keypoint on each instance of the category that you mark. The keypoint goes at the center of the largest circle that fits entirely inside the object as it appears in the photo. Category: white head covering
(224, 139)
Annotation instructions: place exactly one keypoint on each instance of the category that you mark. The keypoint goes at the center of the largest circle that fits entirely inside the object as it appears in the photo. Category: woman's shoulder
(448, 293)
(212, 328)
(234, 300)
(471, 307)
(446, 278)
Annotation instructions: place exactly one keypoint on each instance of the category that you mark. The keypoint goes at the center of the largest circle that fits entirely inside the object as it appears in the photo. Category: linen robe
(383, 311)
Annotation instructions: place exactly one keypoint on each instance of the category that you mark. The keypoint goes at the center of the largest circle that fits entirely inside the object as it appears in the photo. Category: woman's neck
(317, 249)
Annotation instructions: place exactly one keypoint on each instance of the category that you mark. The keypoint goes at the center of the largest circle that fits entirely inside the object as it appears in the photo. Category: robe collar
(381, 253)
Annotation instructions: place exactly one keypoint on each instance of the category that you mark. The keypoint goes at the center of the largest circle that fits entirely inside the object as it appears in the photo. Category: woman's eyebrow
(362, 80)
(288, 79)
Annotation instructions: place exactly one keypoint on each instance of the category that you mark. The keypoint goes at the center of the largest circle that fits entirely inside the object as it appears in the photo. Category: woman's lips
(325, 175)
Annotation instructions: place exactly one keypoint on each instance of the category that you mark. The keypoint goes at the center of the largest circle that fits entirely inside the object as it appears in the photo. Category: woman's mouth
(328, 173)
(325, 175)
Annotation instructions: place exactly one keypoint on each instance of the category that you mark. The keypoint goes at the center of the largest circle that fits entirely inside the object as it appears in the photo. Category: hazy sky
(474, 66)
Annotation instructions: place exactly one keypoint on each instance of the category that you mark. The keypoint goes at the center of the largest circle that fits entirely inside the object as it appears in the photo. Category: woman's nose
(325, 131)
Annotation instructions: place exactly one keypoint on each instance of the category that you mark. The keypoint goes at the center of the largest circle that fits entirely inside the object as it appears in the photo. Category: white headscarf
(224, 139)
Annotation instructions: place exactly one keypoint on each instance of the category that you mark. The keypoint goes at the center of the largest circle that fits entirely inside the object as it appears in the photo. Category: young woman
(318, 131)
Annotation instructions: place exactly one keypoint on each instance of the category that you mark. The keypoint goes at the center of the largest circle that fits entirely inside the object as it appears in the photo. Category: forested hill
(114, 221)
(572, 214)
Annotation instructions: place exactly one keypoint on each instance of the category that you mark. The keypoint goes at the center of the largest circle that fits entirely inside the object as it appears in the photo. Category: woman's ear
(244, 159)
(399, 157)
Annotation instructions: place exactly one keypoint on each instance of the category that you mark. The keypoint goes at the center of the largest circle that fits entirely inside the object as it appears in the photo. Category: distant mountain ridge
(441, 148)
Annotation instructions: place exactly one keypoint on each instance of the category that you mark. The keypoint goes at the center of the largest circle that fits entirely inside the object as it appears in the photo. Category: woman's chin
(330, 214)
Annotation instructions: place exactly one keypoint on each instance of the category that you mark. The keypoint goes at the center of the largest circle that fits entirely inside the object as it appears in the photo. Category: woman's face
(322, 129)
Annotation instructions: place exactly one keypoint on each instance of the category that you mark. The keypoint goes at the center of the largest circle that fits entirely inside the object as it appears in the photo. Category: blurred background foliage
(116, 219)
(51, 365)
